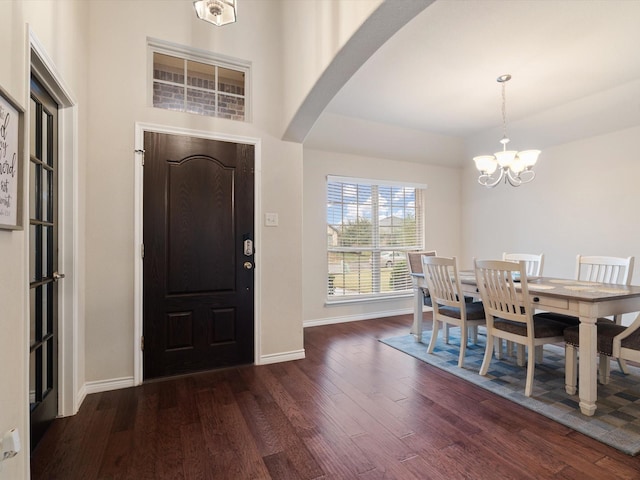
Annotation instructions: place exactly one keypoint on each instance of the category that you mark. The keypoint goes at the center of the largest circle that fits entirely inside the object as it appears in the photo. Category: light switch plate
(270, 219)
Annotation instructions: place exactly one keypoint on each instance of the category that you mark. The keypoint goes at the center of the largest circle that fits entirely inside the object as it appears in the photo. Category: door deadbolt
(248, 265)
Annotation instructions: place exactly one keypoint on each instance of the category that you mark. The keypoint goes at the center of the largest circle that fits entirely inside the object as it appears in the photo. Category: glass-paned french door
(43, 264)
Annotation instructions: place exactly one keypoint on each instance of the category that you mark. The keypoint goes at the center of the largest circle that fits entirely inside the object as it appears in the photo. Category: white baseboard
(105, 386)
(355, 318)
(281, 357)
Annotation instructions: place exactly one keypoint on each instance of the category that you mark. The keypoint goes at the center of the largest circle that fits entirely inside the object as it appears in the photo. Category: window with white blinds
(371, 225)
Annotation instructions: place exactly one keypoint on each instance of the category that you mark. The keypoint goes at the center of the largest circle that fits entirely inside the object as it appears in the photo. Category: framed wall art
(11, 144)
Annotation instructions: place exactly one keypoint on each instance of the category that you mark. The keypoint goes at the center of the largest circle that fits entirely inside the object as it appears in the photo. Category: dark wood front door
(198, 254)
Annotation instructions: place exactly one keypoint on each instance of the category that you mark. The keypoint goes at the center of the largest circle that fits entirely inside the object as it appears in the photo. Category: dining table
(586, 300)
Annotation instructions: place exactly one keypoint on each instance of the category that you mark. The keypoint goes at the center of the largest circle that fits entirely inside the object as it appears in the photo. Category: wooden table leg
(416, 328)
(588, 378)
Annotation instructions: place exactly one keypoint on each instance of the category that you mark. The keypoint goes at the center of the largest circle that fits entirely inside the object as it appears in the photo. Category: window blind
(370, 228)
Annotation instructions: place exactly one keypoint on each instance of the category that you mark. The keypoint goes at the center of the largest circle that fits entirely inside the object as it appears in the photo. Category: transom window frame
(155, 45)
(375, 261)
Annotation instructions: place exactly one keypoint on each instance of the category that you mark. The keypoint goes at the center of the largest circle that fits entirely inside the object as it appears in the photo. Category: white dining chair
(615, 341)
(602, 269)
(449, 305)
(509, 313)
(533, 262)
(414, 263)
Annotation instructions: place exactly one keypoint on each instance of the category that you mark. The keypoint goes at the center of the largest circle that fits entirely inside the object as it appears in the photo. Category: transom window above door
(195, 81)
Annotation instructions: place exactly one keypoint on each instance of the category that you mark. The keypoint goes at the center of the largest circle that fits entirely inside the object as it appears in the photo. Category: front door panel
(198, 292)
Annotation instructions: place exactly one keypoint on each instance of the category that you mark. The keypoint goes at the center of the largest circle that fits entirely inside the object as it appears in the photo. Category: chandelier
(512, 166)
(218, 12)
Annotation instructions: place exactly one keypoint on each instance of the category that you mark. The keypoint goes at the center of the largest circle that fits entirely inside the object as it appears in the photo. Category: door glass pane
(44, 367)
(32, 188)
(46, 251)
(32, 316)
(48, 367)
(33, 261)
(45, 138)
(47, 176)
(32, 128)
(45, 309)
(32, 379)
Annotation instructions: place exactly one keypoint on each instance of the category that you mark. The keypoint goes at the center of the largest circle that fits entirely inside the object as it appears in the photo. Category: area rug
(615, 423)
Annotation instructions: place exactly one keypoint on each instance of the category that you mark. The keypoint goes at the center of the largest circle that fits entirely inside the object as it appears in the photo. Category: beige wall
(120, 77)
(584, 200)
(58, 27)
(442, 230)
(315, 31)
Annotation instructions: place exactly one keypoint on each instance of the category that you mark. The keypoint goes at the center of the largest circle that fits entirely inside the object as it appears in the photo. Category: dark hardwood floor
(354, 408)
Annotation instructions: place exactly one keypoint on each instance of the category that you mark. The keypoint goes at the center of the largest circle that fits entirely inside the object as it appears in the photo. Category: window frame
(420, 214)
(183, 52)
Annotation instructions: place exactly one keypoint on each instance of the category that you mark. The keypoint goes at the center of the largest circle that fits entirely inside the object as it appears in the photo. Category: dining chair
(414, 261)
(533, 265)
(615, 341)
(449, 305)
(602, 269)
(509, 313)
(533, 262)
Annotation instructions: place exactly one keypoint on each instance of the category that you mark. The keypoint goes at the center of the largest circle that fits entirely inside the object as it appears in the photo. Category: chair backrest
(414, 260)
(604, 269)
(500, 293)
(441, 274)
(533, 262)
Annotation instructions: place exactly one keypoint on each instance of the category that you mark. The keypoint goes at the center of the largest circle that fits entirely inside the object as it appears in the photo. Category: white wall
(584, 200)
(443, 198)
(58, 26)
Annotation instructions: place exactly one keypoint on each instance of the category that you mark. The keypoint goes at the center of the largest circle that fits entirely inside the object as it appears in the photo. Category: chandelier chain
(504, 111)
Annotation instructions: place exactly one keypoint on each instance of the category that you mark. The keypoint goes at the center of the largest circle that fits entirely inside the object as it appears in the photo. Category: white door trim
(70, 362)
(140, 128)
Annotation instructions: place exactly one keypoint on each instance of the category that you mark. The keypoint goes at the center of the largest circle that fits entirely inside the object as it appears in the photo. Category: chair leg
(604, 369)
(539, 352)
(520, 355)
(434, 335)
(570, 370)
(488, 353)
(446, 333)
(622, 363)
(474, 334)
(531, 367)
(464, 331)
(509, 348)
(498, 348)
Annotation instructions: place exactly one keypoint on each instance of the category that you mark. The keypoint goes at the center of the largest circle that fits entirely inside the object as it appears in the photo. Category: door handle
(57, 276)
(248, 265)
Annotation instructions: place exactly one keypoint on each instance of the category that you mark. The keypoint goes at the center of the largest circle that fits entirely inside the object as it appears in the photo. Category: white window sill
(359, 300)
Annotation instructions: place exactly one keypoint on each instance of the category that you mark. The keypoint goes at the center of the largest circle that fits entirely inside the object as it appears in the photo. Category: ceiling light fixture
(515, 167)
(218, 12)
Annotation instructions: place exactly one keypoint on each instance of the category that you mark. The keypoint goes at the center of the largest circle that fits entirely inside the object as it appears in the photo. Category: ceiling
(429, 94)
